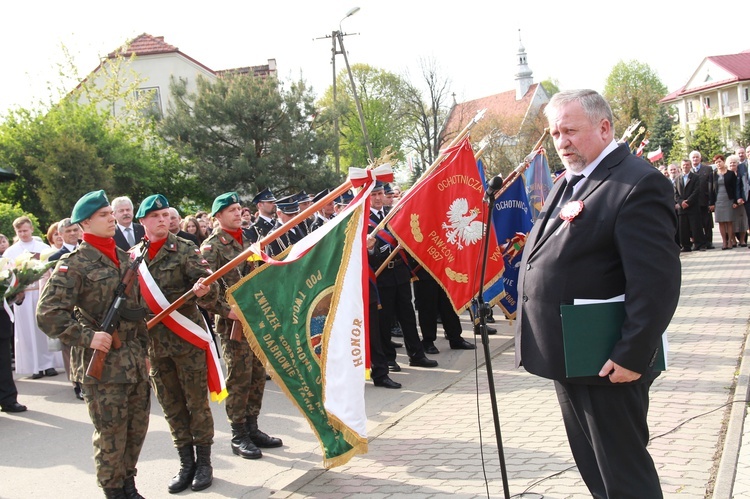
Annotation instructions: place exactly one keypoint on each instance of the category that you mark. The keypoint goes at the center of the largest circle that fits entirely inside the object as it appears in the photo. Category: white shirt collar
(70, 247)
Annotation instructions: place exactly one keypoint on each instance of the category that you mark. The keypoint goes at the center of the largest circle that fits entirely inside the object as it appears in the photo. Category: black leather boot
(185, 475)
(114, 494)
(128, 487)
(204, 472)
(258, 437)
(241, 443)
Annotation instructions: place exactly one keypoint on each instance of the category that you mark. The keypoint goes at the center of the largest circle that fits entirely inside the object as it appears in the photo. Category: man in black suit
(127, 232)
(688, 209)
(617, 238)
(174, 226)
(706, 175)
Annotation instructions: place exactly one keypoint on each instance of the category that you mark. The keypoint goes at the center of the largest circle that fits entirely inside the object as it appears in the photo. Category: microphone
(493, 186)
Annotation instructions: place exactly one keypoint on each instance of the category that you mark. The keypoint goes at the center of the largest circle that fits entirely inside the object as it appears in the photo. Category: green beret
(89, 204)
(152, 203)
(221, 202)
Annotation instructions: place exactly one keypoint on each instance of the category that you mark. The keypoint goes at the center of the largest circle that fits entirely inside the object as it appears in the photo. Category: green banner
(284, 309)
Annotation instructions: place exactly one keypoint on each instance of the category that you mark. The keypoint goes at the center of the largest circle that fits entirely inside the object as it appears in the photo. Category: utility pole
(337, 36)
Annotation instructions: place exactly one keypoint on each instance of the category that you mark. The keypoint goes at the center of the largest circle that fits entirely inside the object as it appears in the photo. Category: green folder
(590, 333)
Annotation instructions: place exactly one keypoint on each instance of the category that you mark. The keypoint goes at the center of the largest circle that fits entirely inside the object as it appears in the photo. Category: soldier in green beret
(246, 376)
(179, 352)
(74, 301)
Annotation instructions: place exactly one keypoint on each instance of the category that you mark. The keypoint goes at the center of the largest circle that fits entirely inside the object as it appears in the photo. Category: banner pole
(220, 272)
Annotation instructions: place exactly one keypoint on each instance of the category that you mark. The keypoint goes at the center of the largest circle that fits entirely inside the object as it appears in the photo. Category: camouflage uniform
(83, 286)
(246, 376)
(178, 368)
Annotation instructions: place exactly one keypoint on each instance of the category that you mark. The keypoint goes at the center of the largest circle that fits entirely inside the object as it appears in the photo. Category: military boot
(114, 494)
(258, 437)
(185, 475)
(128, 487)
(241, 443)
(204, 472)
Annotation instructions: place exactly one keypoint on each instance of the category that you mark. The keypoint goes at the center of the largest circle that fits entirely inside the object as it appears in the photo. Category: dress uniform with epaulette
(320, 217)
(265, 223)
(246, 376)
(287, 207)
(394, 289)
(76, 298)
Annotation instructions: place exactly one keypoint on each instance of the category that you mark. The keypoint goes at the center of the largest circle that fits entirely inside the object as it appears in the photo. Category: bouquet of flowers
(16, 275)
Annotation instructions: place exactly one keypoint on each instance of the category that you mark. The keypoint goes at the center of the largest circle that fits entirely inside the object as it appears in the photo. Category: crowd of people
(705, 195)
(95, 247)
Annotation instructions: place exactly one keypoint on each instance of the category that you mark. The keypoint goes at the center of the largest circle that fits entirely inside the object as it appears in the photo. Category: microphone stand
(483, 311)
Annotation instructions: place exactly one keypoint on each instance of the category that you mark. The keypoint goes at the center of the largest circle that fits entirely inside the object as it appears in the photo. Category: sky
(474, 42)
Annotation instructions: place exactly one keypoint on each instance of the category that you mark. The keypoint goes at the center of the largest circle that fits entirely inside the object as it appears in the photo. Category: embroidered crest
(157, 203)
(62, 269)
(462, 227)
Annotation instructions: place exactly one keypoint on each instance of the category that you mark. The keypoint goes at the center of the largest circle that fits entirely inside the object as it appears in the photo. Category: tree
(633, 90)
(243, 133)
(426, 114)
(382, 95)
(661, 132)
(707, 138)
(76, 145)
(551, 86)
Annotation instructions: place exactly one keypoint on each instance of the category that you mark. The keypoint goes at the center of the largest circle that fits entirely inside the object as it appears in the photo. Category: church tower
(524, 78)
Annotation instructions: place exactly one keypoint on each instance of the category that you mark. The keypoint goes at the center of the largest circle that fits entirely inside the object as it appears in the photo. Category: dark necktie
(567, 193)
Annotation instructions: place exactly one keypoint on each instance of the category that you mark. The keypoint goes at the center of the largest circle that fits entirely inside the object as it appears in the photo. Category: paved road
(435, 438)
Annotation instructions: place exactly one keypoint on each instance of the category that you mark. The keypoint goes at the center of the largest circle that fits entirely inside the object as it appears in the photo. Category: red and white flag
(655, 156)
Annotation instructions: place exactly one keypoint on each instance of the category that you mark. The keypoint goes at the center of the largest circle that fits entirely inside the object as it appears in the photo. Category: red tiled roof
(502, 107)
(738, 65)
(144, 44)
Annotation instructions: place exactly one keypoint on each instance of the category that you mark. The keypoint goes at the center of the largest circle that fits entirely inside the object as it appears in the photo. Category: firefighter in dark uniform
(325, 213)
(286, 208)
(394, 289)
(266, 203)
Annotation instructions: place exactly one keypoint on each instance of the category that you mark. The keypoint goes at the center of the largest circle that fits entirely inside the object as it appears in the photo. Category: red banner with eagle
(441, 223)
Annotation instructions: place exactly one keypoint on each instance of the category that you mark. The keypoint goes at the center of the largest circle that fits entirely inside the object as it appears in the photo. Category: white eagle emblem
(462, 228)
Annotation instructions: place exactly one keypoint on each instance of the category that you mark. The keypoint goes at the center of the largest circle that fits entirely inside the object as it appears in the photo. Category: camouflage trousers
(181, 386)
(246, 376)
(120, 413)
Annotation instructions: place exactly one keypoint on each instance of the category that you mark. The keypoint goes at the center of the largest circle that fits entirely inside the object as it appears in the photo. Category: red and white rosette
(568, 213)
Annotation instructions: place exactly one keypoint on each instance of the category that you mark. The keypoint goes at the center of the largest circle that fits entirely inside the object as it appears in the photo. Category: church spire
(524, 77)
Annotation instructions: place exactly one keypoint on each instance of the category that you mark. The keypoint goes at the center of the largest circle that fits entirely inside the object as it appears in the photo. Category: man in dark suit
(71, 234)
(687, 206)
(127, 232)
(706, 175)
(617, 238)
(174, 226)
(266, 221)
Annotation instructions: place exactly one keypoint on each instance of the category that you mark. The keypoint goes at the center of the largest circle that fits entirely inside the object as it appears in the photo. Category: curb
(727, 471)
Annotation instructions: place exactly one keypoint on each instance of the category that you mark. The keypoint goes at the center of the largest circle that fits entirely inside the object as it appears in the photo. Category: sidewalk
(436, 447)
(427, 439)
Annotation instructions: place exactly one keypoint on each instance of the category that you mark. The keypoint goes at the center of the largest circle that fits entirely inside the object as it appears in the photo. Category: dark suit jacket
(730, 185)
(190, 237)
(59, 253)
(122, 243)
(706, 185)
(689, 192)
(621, 243)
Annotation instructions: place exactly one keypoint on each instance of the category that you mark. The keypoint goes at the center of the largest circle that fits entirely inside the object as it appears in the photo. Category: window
(152, 100)
(746, 94)
(707, 102)
(690, 106)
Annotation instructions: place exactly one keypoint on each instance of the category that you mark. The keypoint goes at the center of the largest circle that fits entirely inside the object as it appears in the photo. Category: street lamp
(338, 36)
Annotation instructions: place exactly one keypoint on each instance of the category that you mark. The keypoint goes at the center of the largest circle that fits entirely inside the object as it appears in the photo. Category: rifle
(109, 324)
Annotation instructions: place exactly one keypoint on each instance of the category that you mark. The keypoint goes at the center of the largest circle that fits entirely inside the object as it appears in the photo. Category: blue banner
(538, 183)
